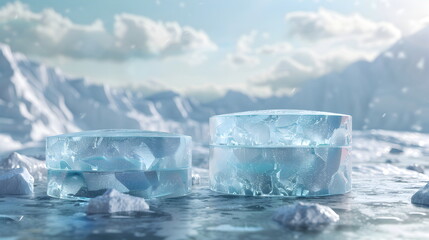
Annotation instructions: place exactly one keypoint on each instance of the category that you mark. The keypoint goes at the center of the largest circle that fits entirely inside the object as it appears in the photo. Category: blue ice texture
(280, 153)
(141, 163)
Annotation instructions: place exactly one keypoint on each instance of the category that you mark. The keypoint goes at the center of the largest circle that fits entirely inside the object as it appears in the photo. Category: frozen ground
(378, 207)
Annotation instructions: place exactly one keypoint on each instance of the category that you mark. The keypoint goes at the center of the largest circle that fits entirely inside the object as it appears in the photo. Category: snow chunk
(113, 201)
(305, 216)
(35, 167)
(196, 179)
(16, 181)
(396, 151)
(421, 197)
(417, 168)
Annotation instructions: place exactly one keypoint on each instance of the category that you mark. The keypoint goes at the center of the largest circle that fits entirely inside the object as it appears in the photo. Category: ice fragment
(113, 201)
(305, 216)
(421, 197)
(149, 164)
(417, 168)
(280, 153)
(281, 128)
(37, 168)
(16, 181)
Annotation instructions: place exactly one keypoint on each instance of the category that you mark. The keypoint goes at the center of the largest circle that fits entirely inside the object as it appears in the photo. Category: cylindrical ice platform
(280, 153)
(142, 163)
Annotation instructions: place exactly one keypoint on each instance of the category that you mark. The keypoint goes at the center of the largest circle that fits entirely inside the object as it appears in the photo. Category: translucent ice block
(281, 128)
(280, 153)
(142, 163)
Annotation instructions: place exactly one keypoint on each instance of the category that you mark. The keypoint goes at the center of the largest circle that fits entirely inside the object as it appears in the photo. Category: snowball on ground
(421, 196)
(305, 216)
(16, 181)
(113, 201)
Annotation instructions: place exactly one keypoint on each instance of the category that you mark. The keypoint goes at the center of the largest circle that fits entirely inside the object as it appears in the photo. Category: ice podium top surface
(119, 133)
(281, 128)
(118, 150)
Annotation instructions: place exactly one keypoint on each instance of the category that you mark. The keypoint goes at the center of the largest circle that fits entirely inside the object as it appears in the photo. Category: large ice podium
(142, 163)
(280, 153)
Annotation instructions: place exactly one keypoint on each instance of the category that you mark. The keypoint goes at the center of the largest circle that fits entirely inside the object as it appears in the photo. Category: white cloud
(158, 38)
(238, 59)
(305, 64)
(243, 54)
(245, 42)
(210, 92)
(351, 29)
(417, 25)
(290, 71)
(331, 42)
(49, 34)
(248, 51)
(274, 49)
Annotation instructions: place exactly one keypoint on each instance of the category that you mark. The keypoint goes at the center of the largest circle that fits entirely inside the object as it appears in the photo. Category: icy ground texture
(113, 201)
(148, 164)
(305, 216)
(281, 128)
(280, 153)
(378, 207)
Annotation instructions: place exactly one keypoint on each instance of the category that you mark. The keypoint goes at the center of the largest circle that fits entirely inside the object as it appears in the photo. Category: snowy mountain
(35, 101)
(387, 93)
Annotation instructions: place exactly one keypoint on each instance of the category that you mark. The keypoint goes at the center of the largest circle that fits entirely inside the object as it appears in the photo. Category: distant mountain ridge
(36, 101)
(390, 92)
(387, 93)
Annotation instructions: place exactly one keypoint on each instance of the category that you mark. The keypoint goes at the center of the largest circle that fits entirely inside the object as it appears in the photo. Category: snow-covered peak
(388, 93)
(37, 101)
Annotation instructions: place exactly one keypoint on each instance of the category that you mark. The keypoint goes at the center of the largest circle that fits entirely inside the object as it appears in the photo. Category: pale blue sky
(224, 23)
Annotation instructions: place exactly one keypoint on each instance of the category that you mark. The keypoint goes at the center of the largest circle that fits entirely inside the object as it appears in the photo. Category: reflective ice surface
(147, 184)
(378, 207)
(281, 128)
(148, 164)
(280, 153)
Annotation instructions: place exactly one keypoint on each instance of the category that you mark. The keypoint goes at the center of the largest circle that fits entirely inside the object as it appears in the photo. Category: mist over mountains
(387, 93)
